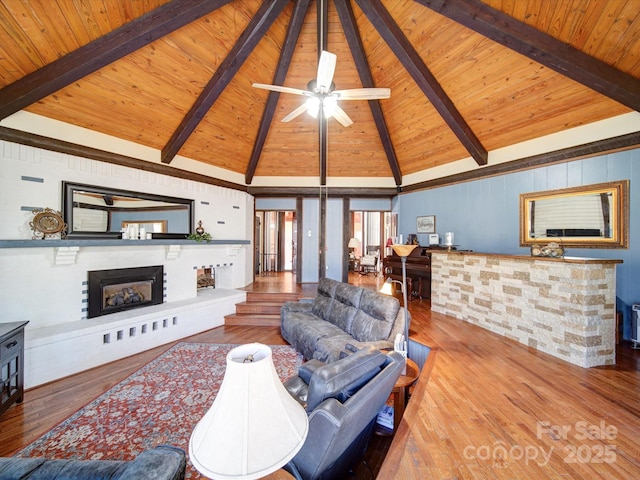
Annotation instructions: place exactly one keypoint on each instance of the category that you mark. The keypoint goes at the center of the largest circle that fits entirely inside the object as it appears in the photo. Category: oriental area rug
(159, 404)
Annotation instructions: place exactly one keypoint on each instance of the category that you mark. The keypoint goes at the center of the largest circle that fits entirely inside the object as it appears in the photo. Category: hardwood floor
(477, 390)
(493, 408)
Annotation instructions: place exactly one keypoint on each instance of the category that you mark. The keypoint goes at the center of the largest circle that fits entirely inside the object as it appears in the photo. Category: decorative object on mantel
(200, 235)
(47, 223)
(552, 249)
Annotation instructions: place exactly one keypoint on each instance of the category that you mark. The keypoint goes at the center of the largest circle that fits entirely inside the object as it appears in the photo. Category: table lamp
(254, 426)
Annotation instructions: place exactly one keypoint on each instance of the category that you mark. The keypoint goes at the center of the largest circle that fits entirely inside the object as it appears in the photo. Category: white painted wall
(34, 288)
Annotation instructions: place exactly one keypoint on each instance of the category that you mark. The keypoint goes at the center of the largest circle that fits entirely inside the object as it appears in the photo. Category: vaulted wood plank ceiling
(466, 77)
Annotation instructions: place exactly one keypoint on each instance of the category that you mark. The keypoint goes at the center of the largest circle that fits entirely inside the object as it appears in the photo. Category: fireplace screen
(121, 289)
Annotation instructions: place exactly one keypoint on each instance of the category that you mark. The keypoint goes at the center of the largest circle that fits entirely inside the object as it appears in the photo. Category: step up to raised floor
(272, 308)
(259, 320)
(260, 309)
(279, 297)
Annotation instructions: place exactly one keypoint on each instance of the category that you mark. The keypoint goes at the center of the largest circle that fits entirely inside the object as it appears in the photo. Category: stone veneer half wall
(563, 307)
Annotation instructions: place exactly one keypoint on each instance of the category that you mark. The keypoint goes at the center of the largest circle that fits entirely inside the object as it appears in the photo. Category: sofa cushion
(324, 298)
(304, 330)
(328, 348)
(345, 305)
(376, 316)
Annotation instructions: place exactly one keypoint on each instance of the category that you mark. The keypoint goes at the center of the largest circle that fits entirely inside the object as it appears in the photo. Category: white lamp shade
(387, 287)
(254, 426)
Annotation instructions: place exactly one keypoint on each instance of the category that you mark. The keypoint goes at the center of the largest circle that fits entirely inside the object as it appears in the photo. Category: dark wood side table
(11, 364)
(399, 394)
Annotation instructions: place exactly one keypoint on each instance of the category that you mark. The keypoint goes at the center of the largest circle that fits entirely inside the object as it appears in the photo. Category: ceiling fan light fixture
(313, 106)
(321, 90)
(329, 105)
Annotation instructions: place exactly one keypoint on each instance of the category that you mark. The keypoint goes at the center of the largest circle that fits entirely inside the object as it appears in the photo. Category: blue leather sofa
(340, 314)
(163, 462)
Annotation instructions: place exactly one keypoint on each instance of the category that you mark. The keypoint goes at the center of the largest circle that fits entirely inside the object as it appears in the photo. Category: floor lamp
(403, 251)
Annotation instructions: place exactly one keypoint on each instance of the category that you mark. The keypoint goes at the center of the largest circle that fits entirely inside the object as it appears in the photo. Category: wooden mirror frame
(619, 197)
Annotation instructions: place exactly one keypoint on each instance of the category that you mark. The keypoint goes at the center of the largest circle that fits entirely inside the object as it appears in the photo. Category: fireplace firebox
(119, 289)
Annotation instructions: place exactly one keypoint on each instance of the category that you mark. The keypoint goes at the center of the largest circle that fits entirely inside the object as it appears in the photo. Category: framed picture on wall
(426, 224)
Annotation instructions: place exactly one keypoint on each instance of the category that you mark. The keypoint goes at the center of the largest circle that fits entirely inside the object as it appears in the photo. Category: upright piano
(418, 271)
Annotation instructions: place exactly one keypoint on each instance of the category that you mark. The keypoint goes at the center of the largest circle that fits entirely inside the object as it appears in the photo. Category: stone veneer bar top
(530, 258)
(561, 306)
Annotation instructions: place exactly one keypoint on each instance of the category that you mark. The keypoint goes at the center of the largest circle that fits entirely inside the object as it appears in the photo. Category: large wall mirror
(587, 216)
(99, 212)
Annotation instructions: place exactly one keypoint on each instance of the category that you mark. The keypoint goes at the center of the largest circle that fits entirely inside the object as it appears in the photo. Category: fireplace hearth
(120, 289)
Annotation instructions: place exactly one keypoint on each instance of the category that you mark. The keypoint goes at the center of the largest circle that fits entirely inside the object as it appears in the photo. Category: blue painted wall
(335, 252)
(282, 204)
(177, 221)
(310, 240)
(484, 214)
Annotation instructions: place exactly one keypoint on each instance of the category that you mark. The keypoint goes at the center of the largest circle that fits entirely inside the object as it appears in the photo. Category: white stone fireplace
(45, 281)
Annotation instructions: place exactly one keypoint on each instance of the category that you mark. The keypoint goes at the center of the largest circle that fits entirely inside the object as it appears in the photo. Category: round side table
(399, 394)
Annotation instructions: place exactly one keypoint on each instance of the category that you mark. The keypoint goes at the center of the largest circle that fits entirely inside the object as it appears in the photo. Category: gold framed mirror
(590, 216)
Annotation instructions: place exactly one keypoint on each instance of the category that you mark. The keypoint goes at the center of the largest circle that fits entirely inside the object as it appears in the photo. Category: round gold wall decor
(48, 223)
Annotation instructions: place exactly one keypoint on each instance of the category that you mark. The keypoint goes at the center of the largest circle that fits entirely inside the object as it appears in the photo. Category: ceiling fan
(321, 93)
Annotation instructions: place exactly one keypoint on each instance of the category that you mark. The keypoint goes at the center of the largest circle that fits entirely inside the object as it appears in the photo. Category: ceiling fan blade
(296, 113)
(278, 88)
(341, 116)
(363, 93)
(326, 69)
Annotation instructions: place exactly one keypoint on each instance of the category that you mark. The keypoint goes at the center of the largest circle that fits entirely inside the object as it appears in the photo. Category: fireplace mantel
(66, 251)
(108, 242)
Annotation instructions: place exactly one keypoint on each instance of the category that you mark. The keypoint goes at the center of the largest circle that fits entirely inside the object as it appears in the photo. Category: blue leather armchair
(342, 399)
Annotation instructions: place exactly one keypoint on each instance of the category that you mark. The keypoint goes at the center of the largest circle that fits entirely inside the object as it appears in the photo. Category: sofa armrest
(298, 386)
(302, 306)
(309, 368)
(161, 462)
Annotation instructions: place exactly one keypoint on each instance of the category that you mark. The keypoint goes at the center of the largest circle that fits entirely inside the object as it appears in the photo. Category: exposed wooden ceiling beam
(345, 12)
(290, 44)
(258, 26)
(542, 48)
(415, 66)
(587, 150)
(102, 51)
(322, 30)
